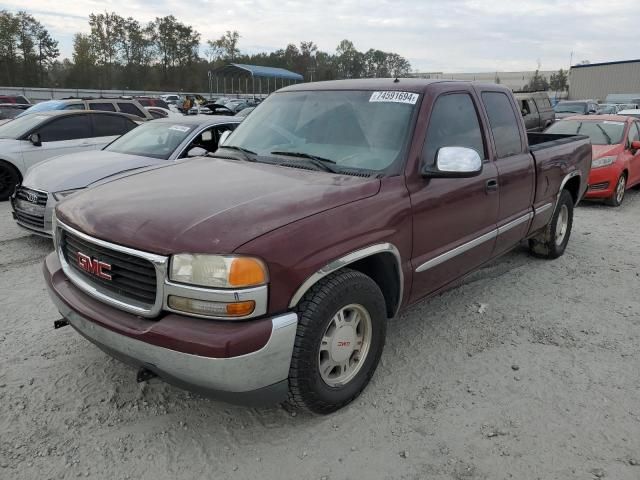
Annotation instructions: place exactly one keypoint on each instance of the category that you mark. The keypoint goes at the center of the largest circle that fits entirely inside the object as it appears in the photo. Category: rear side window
(105, 106)
(130, 108)
(504, 124)
(111, 125)
(70, 127)
(21, 99)
(542, 103)
(454, 123)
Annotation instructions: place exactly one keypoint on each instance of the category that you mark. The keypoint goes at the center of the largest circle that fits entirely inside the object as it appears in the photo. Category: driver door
(454, 219)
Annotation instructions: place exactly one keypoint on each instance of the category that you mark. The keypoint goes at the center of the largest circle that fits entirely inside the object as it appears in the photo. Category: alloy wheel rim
(620, 189)
(562, 225)
(345, 345)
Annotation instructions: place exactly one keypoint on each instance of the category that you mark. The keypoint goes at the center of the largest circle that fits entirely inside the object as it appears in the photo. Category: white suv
(28, 140)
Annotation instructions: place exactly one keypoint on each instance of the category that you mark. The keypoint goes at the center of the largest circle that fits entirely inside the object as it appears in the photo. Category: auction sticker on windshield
(395, 97)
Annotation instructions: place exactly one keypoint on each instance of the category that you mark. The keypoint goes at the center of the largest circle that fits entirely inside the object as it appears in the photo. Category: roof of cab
(417, 85)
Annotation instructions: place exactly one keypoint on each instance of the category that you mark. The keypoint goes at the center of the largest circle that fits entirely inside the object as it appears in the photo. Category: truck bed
(557, 156)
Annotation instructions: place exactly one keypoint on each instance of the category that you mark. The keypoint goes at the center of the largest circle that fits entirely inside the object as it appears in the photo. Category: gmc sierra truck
(268, 271)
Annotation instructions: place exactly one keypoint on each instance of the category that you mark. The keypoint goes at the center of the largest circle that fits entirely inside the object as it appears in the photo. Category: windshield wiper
(244, 151)
(320, 162)
(604, 133)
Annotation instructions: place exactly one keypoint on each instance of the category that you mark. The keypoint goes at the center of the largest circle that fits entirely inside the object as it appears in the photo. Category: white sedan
(29, 140)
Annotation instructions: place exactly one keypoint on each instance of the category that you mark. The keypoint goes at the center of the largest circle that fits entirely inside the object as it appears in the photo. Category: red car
(615, 141)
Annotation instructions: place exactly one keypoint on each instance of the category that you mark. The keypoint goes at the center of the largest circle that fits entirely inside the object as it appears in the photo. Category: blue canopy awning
(258, 71)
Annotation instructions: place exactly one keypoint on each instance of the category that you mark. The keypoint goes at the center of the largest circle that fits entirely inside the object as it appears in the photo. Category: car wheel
(9, 178)
(341, 333)
(616, 199)
(552, 241)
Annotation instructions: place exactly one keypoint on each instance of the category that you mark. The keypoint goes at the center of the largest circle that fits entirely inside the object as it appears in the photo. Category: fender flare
(347, 259)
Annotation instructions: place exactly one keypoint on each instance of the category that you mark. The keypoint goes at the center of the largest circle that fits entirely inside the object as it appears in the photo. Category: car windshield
(604, 109)
(18, 127)
(600, 132)
(353, 129)
(44, 107)
(569, 107)
(153, 139)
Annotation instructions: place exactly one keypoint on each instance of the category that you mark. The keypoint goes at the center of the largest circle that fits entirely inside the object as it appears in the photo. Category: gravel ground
(529, 370)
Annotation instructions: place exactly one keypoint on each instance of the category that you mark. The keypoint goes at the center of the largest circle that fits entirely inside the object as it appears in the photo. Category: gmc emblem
(93, 266)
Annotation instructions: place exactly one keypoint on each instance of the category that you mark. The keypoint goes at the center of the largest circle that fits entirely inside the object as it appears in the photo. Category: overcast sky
(435, 35)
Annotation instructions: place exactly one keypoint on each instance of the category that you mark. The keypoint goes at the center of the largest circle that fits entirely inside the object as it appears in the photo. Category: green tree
(9, 28)
(83, 72)
(107, 30)
(226, 47)
(559, 81)
(537, 83)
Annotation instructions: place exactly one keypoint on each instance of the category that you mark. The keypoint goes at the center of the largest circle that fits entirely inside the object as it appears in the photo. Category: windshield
(355, 129)
(18, 127)
(606, 109)
(44, 107)
(600, 132)
(154, 139)
(568, 107)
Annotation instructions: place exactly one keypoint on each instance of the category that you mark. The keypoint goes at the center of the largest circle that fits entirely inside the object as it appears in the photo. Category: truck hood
(207, 205)
(600, 151)
(79, 170)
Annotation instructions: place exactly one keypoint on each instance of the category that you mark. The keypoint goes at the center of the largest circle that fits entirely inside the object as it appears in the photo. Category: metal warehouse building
(597, 80)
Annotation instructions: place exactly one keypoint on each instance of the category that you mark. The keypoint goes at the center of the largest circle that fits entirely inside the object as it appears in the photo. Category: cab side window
(103, 106)
(70, 127)
(453, 123)
(106, 125)
(504, 124)
(131, 109)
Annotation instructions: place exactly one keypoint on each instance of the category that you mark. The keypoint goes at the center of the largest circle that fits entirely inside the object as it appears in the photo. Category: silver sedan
(154, 144)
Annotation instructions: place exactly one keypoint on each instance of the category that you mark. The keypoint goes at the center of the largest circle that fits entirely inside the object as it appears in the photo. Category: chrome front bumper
(259, 377)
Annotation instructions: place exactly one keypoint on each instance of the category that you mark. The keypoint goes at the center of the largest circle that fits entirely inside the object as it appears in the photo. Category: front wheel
(552, 241)
(9, 178)
(340, 338)
(616, 199)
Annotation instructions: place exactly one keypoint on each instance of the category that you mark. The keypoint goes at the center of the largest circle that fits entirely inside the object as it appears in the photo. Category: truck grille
(133, 279)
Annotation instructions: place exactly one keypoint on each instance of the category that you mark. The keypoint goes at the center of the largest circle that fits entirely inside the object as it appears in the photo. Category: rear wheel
(616, 199)
(340, 337)
(552, 241)
(9, 178)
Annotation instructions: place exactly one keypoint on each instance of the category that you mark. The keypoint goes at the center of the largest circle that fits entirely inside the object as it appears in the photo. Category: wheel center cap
(343, 344)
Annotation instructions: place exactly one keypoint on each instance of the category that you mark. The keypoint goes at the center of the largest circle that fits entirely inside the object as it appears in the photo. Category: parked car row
(268, 270)
(156, 143)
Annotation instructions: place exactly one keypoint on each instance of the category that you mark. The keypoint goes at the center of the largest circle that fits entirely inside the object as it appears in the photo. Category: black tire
(545, 244)
(9, 178)
(307, 389)
(615, 200)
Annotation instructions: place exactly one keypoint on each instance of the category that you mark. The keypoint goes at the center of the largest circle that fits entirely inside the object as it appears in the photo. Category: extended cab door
(60, 136)
(454, 219)
(516, 167)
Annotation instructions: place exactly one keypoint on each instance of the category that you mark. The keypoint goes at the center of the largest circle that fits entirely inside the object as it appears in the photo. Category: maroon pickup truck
(268, 273)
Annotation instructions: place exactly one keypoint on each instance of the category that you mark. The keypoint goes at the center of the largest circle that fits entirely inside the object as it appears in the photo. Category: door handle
(491, 185)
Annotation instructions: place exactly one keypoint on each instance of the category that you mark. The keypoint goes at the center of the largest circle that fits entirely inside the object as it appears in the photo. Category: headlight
(64, 194)
(217, 271)
(602, 162)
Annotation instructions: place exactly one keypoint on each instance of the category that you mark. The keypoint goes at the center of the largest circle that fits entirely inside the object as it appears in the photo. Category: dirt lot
(530, 370)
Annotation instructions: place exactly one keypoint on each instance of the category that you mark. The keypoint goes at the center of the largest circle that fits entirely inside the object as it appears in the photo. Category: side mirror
(591, 112)
(635, 145)
(35, 139)
(223, 137)
(197, 152)
(454, 162)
